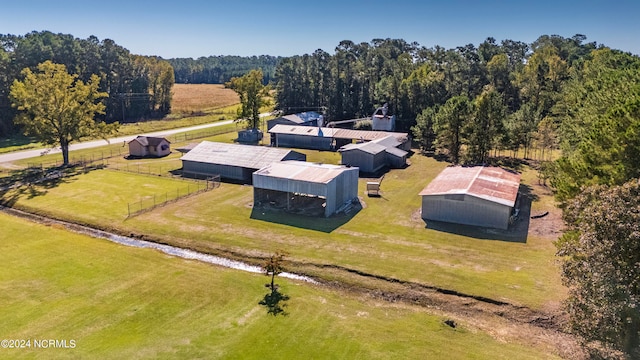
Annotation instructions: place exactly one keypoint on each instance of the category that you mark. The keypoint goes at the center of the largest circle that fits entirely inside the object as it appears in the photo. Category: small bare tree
(275, 301)
(273, 266)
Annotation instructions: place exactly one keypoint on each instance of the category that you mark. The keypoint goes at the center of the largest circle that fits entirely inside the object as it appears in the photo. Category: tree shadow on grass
(275, 302)
(34, 182)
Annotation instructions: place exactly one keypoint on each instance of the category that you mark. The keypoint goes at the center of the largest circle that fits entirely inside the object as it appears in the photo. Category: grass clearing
(386, 238)
(117, 302)
(99, 197)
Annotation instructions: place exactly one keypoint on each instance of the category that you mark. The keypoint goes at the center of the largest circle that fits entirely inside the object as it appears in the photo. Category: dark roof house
(143, 146)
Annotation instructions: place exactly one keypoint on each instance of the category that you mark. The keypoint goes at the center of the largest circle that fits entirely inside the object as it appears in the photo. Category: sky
(188, 28)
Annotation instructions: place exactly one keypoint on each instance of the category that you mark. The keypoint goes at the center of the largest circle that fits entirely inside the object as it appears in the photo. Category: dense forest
(220, 69)
(139, 87)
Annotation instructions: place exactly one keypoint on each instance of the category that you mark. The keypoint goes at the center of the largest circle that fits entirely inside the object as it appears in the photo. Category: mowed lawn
(386, 237)
(98, 197)
(117, 302)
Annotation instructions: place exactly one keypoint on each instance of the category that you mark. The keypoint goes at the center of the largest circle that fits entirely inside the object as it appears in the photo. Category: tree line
(137, 87)
(220, 69)
(508, 87)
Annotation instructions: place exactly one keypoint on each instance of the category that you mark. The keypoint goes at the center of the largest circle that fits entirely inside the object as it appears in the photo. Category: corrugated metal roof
(388, 141)
(303, 117)
(337, 133)
(396, 152)
(247, 156)
(302, 171)
(302, 130)
(368, 147)
(489, 183)
(368, 135)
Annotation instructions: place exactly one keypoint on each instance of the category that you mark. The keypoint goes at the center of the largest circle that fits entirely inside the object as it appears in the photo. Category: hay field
(191, 98)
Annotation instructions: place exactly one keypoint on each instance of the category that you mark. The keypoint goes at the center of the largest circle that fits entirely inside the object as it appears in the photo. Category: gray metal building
(302, 137)
(308, 118)
(305, 187)
(233, 161)
(374, 155)
(369, 157)
(325, 138)
(479, 196)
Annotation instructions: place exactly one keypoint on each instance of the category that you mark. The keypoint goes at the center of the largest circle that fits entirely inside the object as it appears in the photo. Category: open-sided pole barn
(304, 187)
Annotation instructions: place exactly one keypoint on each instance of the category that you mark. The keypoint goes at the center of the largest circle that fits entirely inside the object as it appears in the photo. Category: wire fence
(151, 202)
(194, 135)
(94, 159)
(104, 154)
(169, 169)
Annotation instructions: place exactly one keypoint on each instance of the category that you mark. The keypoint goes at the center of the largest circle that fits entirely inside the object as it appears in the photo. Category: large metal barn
(479, 196)
(233, 161)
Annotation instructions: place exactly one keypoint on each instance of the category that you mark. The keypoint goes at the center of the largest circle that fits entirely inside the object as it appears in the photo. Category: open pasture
(117, 302)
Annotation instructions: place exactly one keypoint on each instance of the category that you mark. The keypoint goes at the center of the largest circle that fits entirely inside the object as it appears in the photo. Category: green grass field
(386, 238)
(117, 302)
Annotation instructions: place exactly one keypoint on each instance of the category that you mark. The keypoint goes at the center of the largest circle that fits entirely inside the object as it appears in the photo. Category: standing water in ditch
(167, 249)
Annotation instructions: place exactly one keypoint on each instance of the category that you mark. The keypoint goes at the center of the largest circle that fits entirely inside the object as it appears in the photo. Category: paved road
(19, 155)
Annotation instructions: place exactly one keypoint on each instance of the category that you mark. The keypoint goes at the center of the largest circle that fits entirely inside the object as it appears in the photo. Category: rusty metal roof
(489, 183)
(302, 171)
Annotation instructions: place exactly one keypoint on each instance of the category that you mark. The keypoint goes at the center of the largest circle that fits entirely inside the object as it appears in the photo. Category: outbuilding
(327, 138)
(374, 155)
(143, 146)
(233, 161)
(308, 118)
(479, 196)
(369, 157)
(303, 187)
(302, 137)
